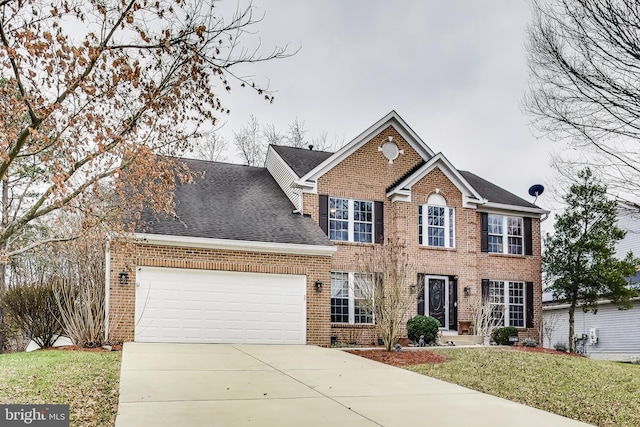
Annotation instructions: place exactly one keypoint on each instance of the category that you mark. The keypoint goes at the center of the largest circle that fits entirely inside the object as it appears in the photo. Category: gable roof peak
(392, 119)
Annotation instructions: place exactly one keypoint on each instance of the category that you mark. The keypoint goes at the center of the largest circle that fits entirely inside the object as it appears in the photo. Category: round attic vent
(390, 150)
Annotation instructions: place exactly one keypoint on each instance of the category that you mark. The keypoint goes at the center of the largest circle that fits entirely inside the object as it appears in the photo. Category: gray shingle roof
(228, 201)
(301, 160)
(493, 193)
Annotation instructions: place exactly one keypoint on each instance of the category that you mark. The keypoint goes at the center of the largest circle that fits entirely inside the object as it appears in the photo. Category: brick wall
(365, 175)
(127, 256)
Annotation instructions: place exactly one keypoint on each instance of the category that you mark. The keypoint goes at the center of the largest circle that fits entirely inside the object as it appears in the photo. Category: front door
(437, 299)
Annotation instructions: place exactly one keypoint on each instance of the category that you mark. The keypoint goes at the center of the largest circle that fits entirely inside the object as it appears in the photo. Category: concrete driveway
(258, 385)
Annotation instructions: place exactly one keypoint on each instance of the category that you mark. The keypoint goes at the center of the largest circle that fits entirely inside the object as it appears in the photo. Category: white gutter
(237, 245)
(504, 207)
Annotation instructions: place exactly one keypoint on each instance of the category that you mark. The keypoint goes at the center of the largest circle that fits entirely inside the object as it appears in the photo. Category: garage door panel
(180, 305)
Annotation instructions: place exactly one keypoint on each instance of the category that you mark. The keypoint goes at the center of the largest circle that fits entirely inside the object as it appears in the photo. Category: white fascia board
(306, 186)
(492, 207)
(469, 194)
(391, 119)
(236, 245)
(472, 202)
(401, 196)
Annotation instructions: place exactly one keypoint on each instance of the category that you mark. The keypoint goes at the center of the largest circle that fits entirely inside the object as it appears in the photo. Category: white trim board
(237, 245)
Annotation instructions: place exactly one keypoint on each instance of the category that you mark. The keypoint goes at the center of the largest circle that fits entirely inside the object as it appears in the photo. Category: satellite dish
(536, 190)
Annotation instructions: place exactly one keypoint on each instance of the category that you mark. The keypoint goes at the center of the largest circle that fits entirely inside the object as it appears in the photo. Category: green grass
(87, 381)
(596, 392)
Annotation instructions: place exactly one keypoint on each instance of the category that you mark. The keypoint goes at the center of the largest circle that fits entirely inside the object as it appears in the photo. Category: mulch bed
(94, 349)
(418, 357)
(405, 357)
(545, 351)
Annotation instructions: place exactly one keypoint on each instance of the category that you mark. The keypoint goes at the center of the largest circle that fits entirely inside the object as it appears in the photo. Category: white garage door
(200, 306)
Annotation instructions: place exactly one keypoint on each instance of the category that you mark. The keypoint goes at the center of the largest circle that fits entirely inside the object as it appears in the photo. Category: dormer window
(436, 223)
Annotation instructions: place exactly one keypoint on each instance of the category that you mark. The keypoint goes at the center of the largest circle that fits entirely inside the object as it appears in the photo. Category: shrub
(82, 309)
(560, 346)
(35, 311)
(501, 335)
(529, 342)
(12, 338)
(423, 325)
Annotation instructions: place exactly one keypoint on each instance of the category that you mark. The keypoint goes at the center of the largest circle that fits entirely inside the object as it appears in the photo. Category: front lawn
(592, 391)
(87, 381)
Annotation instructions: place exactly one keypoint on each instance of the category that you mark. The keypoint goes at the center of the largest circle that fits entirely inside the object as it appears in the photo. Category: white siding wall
(631, 241)
(283, 175)
(618, 330)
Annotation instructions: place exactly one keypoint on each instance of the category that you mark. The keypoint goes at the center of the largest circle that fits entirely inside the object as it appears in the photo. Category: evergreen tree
(579, 258)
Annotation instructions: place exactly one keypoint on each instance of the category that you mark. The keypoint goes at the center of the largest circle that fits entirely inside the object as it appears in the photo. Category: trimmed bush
(501, 335)
(529, 342)
(35, 311)
(560, 346)
(423, 325)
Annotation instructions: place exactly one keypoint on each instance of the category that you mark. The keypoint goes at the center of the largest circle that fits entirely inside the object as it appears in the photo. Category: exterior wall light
(467, 291)
(318, 286)
(123, 277)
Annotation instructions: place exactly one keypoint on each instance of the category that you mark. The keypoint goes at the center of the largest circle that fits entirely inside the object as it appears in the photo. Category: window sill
(353, 325)
(437, 248)
(507, 255)
(342, 242)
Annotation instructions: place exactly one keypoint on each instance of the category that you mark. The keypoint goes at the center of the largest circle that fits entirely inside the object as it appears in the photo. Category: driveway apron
(292, 386)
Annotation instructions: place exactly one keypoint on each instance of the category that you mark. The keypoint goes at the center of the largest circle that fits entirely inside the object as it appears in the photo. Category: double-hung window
(436, 223)
(351, 298)
(507, 300)
(505, 234)
(350, 220)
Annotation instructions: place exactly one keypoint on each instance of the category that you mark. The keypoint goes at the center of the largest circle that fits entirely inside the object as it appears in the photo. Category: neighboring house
(615, 329)
(270, 255)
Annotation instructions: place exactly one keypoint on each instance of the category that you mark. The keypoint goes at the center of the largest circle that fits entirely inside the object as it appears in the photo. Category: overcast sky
(455, 71)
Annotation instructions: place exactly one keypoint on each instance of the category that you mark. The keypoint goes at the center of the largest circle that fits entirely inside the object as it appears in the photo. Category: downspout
(107, 280)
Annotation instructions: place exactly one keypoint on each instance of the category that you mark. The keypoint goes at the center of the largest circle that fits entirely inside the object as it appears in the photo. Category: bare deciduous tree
(94, 89)
(252, 140)
(549, 324)
(585, 67)
(211, 147)
(296, 134)
(248, 140)
(384, 288)
(485, 317)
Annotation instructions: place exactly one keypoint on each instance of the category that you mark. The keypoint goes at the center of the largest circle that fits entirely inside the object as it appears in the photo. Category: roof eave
(237, 245)
(470, 195)
(513, 208)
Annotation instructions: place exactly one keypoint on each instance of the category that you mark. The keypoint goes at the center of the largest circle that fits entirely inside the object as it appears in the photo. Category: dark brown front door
(437, 299)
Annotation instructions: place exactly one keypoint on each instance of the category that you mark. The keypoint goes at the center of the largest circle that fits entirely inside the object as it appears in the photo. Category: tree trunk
(4, 221)
(572, 310)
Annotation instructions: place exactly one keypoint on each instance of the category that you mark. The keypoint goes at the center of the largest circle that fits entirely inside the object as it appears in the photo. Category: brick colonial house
(268, 255)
